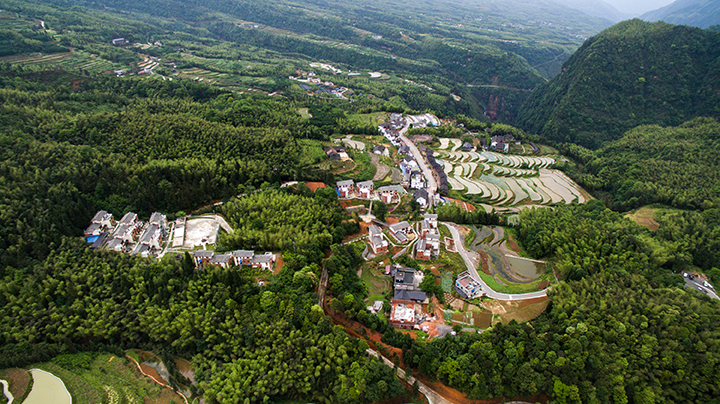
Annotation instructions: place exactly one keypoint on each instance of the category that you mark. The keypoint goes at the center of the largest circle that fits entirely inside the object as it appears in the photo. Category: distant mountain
(595, 8)
(698, 13)
(631, 74)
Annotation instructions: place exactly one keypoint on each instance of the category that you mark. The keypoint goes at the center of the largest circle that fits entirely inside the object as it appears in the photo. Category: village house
(433, 241)
(377, 243)
(129, 218)
(152, 237)
(423, 251)
(467, 287)
(390, 193)
(120, 41)
(417, 179)
(263, 261)
(345, 189)
(421, 197)
(467, 147)
(501, 143)
(223, 260)
(243, 257)
(201, 257)
(381, 150)
(403, 149)
(365, 189)
(401, 231)
(100, 222)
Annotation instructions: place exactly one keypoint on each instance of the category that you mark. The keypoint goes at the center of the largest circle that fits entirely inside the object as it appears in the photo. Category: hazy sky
(637, 7)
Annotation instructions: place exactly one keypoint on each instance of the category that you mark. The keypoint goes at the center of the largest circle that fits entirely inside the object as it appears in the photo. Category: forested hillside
(634, 73)
(698, 13)
(675, 166)
(619, 330)
(477, 59)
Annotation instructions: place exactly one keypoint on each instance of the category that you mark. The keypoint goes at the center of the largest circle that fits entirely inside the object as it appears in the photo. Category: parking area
(200, 232)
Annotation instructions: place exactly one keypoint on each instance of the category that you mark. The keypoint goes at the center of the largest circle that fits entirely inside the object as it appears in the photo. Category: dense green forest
(610, 338)
(634, 73)
(675, 166)
(237, 334)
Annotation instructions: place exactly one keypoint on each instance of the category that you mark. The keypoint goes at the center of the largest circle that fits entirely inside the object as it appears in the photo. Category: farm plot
(457, 143)
(507, 180)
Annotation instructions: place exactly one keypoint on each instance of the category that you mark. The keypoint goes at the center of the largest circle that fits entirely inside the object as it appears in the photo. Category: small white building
(365, 189)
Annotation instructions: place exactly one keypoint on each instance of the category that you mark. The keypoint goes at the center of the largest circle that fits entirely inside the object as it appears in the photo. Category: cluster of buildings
(501, 143)
(428, 245)
(409, 303)
(390, 129)
(237, 258)
(348, 189)
(128, 235)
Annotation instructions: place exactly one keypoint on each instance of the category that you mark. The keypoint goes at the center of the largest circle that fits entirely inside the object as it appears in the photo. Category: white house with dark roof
(201, 257)
(381, 150)
(129, 218)
(223, 260)
(103, 218)
(422, 197)
(115, 244)
(417, 179)
(365, 189)
(152, 236)
(158, 219)
(423, 251)
(243, 257)
(378, 244)
(432, 219)
(401, 231)
(345, 188)
(263, 261)
(390, 193)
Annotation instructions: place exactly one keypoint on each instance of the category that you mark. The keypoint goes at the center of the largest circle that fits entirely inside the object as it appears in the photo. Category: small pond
(527, 268)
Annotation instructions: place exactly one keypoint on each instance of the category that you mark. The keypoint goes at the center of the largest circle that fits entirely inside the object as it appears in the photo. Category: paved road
(430, 394)
(427, 172)
(471, 267)
(381, 170)
(6, 391)
(698, 285)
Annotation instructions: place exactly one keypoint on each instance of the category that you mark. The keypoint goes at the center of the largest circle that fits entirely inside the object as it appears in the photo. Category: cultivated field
(507, 180)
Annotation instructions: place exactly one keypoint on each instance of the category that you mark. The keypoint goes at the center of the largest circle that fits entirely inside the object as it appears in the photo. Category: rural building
(129, 218)
(345, 189)
(402, 315)
(223, 260)
(403, 150)
(365, 189)
(376, 307)
(390, 193)
(423, 251)
(401, 230)
(377, 243)
(201, 257)
(417, 179)
(381, 150)
(467, 147)
(263, 261)
(116, 244)
(467, 287)
(120, 41)
(433, 241)
(243, 257)
(422, 197)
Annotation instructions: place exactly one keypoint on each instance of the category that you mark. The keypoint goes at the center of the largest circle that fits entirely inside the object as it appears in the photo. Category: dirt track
(381, 170)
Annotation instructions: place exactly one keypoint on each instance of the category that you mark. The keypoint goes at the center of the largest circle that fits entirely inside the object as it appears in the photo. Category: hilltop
(698, 13)
(631, 74)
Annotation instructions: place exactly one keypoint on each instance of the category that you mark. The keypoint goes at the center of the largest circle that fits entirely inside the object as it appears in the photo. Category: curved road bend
(473, 271)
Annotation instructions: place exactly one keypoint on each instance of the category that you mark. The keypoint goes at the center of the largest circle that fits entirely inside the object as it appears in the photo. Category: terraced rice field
(507, 180)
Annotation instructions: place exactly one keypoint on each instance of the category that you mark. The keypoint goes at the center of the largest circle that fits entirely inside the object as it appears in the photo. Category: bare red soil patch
(315, 185)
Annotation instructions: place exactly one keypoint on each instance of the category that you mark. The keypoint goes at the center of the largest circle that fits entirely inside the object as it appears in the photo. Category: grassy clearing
(304, 112)
(645, 216)
(312, 152)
